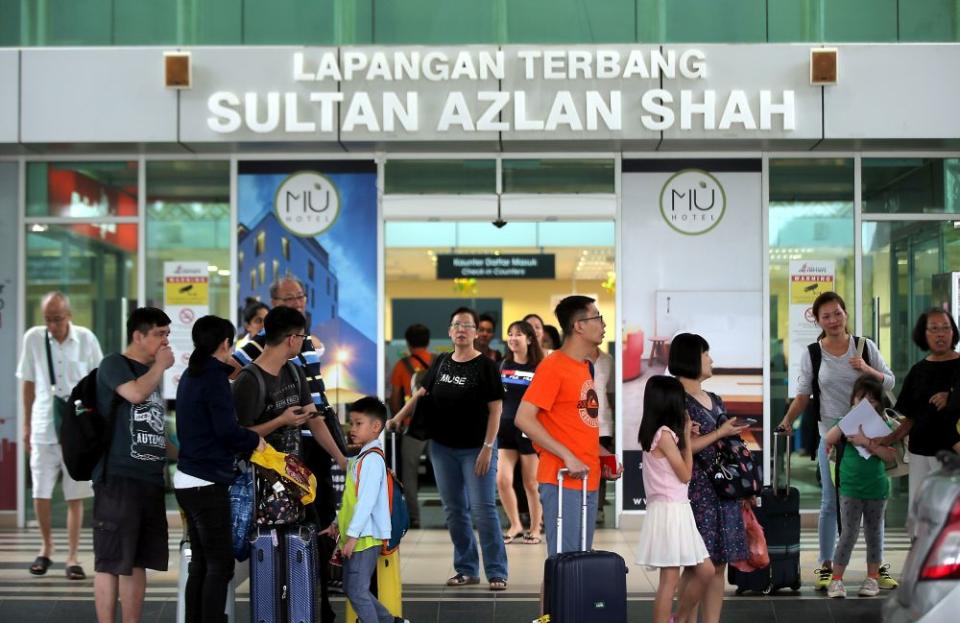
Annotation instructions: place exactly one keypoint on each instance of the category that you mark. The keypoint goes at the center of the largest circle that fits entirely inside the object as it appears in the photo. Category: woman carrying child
(670, 539)
(864, 489)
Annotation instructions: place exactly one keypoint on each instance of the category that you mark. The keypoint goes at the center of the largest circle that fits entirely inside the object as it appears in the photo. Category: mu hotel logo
(692, 202)
(307, 203)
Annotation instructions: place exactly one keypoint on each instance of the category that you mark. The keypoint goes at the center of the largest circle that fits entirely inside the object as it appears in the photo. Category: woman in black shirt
(516, 372)
(466, 389)
(928, 399)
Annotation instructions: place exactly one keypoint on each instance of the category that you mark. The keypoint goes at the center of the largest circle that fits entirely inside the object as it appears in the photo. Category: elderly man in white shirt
(54, 358)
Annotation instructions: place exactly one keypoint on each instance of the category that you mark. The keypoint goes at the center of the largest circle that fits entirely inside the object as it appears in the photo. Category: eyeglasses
(462, 325)
(941, 329)
(302, 336)
(597, 317)
(291, 299)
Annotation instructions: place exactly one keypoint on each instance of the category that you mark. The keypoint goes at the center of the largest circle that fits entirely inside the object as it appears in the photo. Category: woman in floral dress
(719, 520)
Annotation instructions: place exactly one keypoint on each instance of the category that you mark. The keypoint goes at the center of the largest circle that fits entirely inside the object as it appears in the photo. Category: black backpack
(85, 433)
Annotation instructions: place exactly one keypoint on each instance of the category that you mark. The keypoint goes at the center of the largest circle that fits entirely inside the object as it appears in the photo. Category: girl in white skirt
(669, 539)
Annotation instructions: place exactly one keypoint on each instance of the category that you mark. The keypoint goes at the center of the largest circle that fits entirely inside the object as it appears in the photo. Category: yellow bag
(290, 468)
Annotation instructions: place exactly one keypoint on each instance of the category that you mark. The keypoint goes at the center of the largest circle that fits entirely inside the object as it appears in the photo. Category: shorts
(572, 517)
(509, 437)
(46, 465)
(129, 526)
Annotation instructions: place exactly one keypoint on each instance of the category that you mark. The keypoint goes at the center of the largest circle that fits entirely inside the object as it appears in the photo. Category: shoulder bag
(425, 411)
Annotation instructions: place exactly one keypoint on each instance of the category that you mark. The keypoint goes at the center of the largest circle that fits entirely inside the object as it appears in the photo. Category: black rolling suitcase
(583, 587)
(779, 516)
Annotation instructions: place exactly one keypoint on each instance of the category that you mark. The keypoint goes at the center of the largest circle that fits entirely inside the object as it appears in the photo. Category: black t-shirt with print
(461, 392)
(281, 392)
(139, 445)
(516, 378)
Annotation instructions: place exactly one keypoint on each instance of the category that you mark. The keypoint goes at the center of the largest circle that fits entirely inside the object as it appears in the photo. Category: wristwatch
(488, 445)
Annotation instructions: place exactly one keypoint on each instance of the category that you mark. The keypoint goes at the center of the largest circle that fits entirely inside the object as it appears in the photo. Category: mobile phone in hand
(747, 421)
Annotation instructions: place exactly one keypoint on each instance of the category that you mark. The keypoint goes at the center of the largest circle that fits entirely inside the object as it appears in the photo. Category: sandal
(529, 539)
(498, 584)
(75, 572)
(510, 538)
(40, 565)
(463, 580)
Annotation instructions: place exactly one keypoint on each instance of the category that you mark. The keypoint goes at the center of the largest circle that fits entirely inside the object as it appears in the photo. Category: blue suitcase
(302, 572)
(583, 587)
(267, 581)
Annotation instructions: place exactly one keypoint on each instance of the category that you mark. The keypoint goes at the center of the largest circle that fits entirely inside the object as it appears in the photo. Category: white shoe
(836, 589)
(869, 588)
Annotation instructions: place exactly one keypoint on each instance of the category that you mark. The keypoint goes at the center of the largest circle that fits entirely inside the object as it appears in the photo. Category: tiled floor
(426, 563)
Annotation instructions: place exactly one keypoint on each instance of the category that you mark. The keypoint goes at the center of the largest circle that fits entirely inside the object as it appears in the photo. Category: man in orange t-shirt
(401, 388)
(559, 414)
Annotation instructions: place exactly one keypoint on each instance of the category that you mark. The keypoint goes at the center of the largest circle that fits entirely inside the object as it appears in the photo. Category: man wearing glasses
(54, 358)
(560, 414)
(327, 440)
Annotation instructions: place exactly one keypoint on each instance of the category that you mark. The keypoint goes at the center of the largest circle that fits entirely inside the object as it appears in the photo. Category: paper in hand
(864, 415)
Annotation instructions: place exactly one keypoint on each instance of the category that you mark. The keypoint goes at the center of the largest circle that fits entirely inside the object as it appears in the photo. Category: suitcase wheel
(768, 589)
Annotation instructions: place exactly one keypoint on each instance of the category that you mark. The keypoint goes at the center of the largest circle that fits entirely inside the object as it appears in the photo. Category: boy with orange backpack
(372, 514)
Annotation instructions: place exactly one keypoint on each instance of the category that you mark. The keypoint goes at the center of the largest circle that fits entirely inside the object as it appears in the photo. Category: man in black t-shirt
(129, 511)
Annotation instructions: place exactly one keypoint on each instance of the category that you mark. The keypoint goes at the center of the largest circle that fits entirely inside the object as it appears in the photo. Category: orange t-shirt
(563, 390)
(401, 378)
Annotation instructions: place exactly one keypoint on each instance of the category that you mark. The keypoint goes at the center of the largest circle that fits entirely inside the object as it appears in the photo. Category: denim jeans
(357, 571)
(211, 567)
(572, 516)
(827, 524)
(464, 494)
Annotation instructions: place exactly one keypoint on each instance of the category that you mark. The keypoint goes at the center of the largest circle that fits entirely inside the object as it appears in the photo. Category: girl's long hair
(534, 352)
(208, 334)
(663, 405)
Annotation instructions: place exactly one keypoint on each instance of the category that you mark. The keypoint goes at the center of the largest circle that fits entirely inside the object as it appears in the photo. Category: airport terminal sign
(413, 92)
(505, 266)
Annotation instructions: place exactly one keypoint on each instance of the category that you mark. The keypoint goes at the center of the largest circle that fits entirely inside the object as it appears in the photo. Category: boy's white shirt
(371, 514)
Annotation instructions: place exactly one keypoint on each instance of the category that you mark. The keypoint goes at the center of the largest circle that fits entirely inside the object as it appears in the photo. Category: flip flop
(529, 539)
(75, 572)
(498, 584)
(510, 538)
(40, 565)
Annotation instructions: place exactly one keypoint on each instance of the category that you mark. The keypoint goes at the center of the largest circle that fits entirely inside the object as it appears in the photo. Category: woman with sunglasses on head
(210, 440)
(516, 372)
(468, 397)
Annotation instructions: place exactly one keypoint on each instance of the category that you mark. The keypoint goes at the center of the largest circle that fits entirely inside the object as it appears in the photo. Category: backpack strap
(356, 483)
(254, 370)
(862, 350)
(423, 363)
(816, 358)
(292, 367)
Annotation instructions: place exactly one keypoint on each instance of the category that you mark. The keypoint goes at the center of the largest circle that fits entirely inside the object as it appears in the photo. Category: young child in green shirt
(864, 489)
(363, 522)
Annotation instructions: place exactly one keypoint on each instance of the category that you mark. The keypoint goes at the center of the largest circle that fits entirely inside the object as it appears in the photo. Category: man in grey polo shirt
(53, 359)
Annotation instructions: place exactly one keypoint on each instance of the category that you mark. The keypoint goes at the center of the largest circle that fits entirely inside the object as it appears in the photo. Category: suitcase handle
(583, 510)
(781, 435)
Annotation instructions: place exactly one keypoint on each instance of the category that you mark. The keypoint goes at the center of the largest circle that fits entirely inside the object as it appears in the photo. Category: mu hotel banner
(692, 265)
(317, 221)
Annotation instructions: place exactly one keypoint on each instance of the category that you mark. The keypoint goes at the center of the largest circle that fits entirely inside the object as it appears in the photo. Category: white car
(930, 584)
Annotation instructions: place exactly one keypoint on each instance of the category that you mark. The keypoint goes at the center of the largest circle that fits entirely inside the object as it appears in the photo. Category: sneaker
(886, 581)
(869, 588)
(836, 589)
(822, 577)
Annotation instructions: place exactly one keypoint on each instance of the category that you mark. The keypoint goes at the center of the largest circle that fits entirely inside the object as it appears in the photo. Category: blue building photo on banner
(317, 221)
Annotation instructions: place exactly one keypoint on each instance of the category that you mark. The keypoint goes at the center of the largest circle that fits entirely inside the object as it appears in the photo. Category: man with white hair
(54, 357)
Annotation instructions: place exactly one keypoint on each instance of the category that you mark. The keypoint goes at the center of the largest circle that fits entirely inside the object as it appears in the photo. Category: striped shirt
(308, 359)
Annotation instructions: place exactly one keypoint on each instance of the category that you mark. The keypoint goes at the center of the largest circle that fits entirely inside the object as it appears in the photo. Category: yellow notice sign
(186, 290)
(804, 289)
